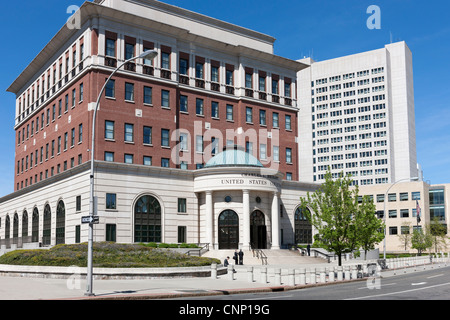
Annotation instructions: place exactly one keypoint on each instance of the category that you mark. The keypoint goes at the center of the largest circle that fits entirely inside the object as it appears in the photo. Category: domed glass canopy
(233, 157)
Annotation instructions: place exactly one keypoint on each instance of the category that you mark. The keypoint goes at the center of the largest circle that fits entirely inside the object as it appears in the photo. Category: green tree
(438, 232)
(342, 224)
(370, 228)
(421, 240)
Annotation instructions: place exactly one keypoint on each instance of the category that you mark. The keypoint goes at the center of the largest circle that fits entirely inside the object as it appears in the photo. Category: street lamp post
(384, 212)
(150, 55)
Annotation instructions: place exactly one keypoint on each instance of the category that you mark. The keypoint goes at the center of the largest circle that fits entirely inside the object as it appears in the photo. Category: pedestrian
(235, 257)
(308, 247)
(226, 262)
(241, 257)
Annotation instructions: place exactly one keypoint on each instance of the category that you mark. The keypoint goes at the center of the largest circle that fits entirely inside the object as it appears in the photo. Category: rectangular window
(392, 213)
(182, 205)
(183, 141)
(111, 233)
(249, 115)
(80, 133)
(214, 109)
(199, 70)
(276, 153)
(147, 135)
(288, 125)
(165, 60)
(109, 156)
(199, 144)
(262, 117)
(81, 92)
(199, 107)
(129, 51)
(230, 112)
(165, 163)
(214, 74)
(404, 213)
(288, 155)
(404, 196)
(110, 47)
(148, 99)
(165, 99)
(147, 161)
(182, 234)
(392, 197)
(183, 103)
(129, 91)
(111, 201)
(110, 91)
(380, 197)
(72, 137)
(128, 158)
(165, 138)
(415, 195)
(184, 66)
(109, 130)
(275, 120)
(229, 78)
(248, 81)
(262, 151)
(129, 132)
(78, 204)
(66, 140)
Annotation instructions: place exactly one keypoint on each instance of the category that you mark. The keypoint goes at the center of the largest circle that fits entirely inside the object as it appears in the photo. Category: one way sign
(90, 220)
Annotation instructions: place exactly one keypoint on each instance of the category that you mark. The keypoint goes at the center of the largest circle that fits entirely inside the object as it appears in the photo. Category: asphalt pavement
(34, 288)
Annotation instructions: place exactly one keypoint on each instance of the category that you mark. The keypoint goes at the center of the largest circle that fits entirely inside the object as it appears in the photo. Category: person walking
(241, 257)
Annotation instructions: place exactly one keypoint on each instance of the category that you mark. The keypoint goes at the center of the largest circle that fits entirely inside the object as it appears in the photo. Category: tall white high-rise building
(357, 116)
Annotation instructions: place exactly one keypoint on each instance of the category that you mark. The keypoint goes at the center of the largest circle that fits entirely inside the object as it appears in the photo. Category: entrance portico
(241, 203)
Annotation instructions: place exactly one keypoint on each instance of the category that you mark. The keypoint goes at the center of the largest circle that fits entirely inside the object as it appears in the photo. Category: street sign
(90, 220)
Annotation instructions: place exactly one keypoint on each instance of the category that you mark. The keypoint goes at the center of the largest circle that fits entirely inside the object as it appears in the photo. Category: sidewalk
(33, 288)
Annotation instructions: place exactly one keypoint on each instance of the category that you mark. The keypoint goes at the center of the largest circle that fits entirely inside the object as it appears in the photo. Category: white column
(246, 212)
(275, 223)
(209, 219)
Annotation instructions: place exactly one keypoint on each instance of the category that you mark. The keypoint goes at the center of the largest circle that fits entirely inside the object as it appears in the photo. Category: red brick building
(213, 84)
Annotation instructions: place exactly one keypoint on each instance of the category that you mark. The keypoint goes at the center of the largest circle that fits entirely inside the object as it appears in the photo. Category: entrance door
(258, 230)
(228, 230)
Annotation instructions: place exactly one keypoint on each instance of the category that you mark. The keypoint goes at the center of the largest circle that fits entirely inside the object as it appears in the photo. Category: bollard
(347, 272)
(322, 275)
(339, 273)
(291, 277)
(277, 276)
(230, 272)
(302, 278)
(312, 276)
(354, 272)
(331, 274)
(214, 271)
(250, 274)
(263, 278)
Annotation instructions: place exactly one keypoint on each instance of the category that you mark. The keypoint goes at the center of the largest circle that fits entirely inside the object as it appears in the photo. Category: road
(433, 284)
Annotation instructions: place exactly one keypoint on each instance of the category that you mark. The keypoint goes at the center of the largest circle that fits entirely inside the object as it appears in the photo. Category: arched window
(46, 233)
(303, 229)
(15, 227)
(7, 227)
(228, 230)
(35, 226)
(24, 224)
(147, 220)
(60, 222)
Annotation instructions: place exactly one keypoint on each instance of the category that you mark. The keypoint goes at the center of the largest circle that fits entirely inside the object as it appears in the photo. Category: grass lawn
(106, 255)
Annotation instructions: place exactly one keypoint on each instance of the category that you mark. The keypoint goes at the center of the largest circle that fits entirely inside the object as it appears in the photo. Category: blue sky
(323, 29)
